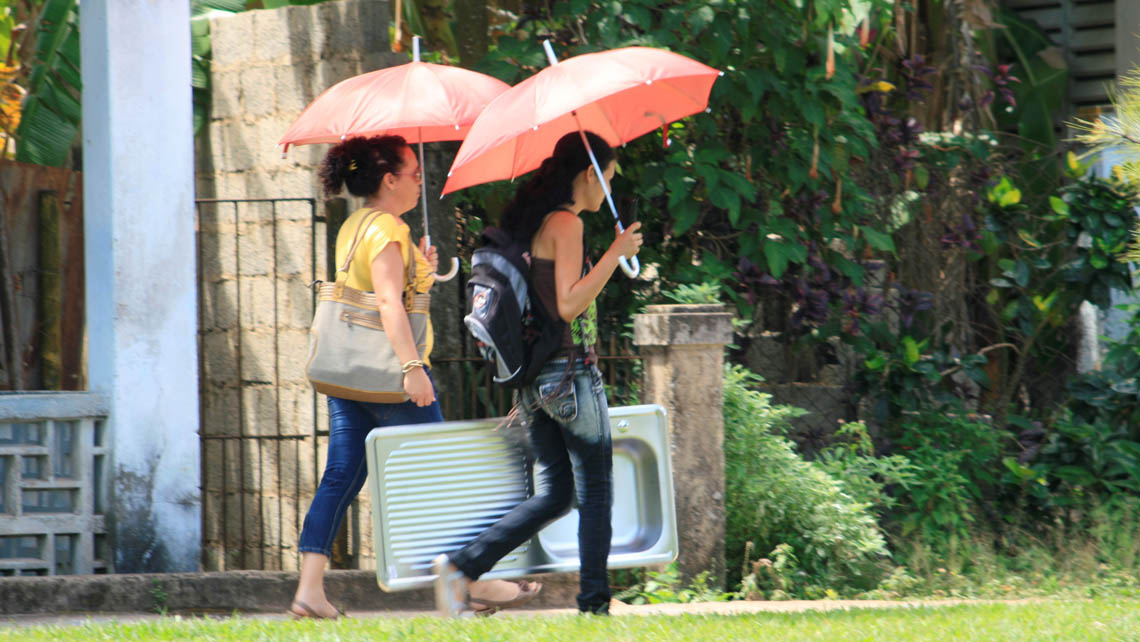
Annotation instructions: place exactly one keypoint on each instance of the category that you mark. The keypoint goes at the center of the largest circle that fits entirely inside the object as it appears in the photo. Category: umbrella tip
(720, 74)
(449, 174)
(343, 136)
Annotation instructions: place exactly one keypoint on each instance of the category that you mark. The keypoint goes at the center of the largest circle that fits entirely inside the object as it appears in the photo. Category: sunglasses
(418, 175)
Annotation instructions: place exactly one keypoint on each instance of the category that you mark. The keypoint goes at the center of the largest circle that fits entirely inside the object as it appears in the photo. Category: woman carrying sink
(565, 408)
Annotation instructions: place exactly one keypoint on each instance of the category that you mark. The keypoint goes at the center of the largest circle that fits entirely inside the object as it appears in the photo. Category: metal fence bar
(239, 357)
(276, 401)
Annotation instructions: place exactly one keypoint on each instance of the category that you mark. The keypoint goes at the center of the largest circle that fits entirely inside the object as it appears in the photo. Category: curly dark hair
(552, 184)
(360, 164)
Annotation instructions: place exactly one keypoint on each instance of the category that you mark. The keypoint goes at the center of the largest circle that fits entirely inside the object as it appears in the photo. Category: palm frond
(51, 114)
(1118, 131)
(1132, 254)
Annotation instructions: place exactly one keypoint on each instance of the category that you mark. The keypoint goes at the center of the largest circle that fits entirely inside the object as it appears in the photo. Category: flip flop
(312, 614)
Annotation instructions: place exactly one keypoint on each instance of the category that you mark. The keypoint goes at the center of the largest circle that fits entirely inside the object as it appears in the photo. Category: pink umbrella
(618, 94)
(421, 101)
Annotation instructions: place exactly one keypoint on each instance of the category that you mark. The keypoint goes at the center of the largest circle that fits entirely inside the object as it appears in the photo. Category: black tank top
(582, 332)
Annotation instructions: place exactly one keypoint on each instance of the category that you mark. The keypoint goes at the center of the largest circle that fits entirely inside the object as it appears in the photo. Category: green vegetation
(41, 89)
(949, 513)
(667, 587)
(788, 509)
(1086, 620)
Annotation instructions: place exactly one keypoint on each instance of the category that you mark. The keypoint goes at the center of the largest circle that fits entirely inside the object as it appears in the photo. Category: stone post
(683, 351)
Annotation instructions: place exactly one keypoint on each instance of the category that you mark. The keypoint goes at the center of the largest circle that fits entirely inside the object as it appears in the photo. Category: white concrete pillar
(138, 203)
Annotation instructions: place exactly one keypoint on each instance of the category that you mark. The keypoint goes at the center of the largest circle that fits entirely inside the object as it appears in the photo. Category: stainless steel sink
(436, 486)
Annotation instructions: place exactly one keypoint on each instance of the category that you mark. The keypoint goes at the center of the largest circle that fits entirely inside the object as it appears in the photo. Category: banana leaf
(201, 11)
(51, 114)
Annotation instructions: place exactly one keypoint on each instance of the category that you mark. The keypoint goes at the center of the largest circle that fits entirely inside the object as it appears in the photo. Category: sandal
(527, 591)
(312, 614)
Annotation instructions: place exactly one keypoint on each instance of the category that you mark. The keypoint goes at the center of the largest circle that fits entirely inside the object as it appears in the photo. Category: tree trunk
(471, 30)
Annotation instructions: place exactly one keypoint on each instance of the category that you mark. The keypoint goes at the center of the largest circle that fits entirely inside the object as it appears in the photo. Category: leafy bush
(788, 507)
(957, 466)
(694, 293)
(1085, 460)
(666, 587)
(851, 459)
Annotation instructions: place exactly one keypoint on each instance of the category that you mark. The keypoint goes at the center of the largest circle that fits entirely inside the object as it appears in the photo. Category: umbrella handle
(453, 271)
(630, 270)
(633, 271)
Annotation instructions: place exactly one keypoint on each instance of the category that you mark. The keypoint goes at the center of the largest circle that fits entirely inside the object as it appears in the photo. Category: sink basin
(436, 486)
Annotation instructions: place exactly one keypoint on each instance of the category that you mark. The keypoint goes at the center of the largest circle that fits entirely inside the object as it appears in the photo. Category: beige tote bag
(349, 353)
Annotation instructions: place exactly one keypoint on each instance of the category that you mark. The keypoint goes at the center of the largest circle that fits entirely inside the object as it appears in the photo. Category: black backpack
(514, 331)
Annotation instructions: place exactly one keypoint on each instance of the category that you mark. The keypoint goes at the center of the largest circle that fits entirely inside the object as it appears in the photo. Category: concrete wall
(261, 457)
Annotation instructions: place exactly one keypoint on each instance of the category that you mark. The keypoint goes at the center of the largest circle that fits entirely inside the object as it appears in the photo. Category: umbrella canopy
(618, 94)
(421, 101)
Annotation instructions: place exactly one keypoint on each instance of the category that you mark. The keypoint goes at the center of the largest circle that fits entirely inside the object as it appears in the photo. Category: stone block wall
(263, 446)
(267, 66)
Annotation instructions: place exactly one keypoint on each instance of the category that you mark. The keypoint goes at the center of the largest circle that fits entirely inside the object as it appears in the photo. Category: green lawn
(1101, 619)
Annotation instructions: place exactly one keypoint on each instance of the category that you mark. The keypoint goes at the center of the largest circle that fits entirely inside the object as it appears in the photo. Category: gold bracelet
(411, 365)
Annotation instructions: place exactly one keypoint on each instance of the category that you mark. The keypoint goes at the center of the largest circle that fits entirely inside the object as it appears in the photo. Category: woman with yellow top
(385, 172)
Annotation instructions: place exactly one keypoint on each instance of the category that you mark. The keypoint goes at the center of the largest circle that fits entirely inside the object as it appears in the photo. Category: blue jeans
(569, 428)
(345, 470)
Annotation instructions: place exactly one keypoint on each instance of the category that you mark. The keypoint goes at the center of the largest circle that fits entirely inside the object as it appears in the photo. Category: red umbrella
(618, 94)
(421, 101)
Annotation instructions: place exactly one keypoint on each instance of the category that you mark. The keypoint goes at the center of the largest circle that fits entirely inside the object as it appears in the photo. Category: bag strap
(357, 237)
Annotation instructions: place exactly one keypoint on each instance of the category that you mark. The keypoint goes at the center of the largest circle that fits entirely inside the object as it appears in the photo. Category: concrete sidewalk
(75, 599)
(225, 593)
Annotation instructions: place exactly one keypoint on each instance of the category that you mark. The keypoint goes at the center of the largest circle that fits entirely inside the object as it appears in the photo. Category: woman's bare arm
(575, 292)
(388, 285)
